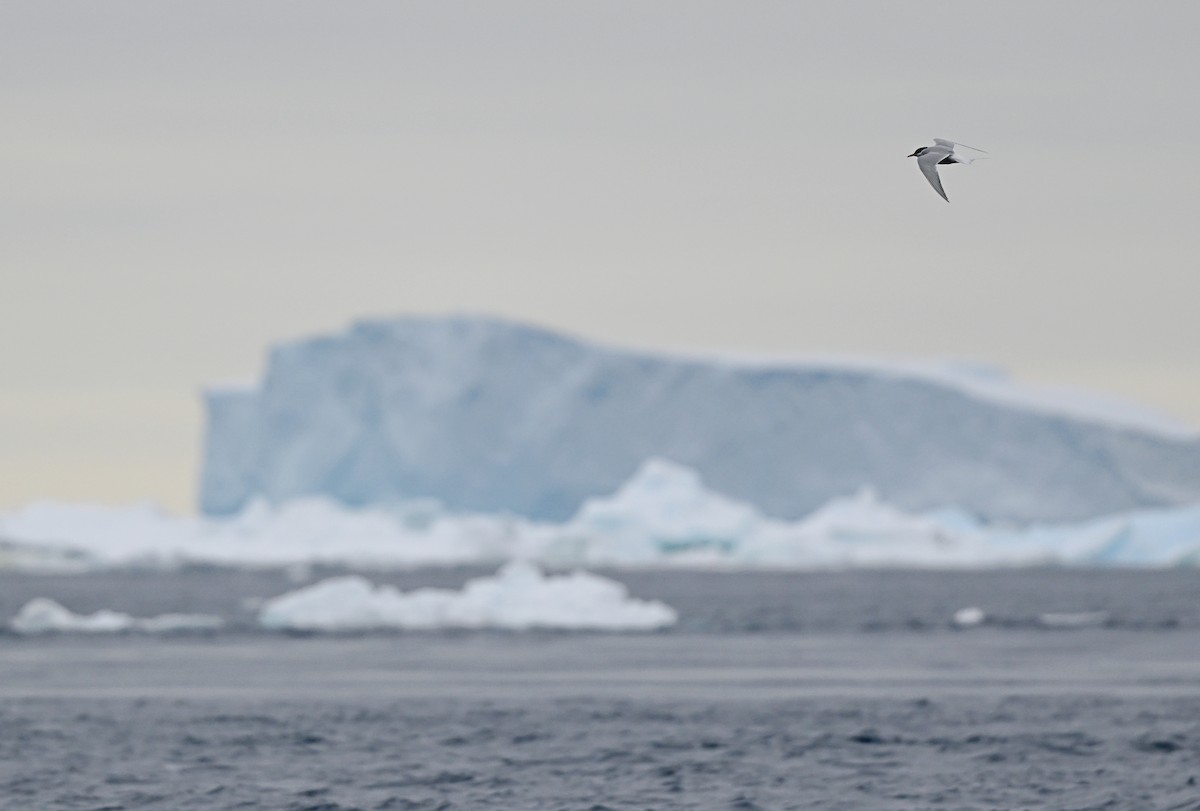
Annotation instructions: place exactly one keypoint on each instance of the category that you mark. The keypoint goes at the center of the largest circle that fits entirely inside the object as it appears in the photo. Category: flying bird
(942, 151)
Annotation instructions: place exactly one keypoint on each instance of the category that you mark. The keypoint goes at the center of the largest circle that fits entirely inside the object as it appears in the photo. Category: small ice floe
(44, 616)
(968, 617)
(517, 597)
(1077, 619)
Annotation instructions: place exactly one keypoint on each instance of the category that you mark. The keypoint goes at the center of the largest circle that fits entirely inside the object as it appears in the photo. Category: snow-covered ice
(44, 616)
(42, 558)
(663, 510)
(518, 597)
(303, 531)
(664, 515)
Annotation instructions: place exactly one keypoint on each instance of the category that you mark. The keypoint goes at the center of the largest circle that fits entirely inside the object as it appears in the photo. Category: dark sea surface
(776, 691)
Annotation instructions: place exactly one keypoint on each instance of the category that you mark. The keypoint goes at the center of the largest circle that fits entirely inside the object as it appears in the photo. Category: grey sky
(183, 183)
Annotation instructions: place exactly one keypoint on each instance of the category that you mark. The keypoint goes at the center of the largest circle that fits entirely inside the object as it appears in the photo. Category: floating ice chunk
(969, 617)
(665, 516)
(664, 509)
(305, 531)
(517, 597)
(336, 604)
(865, 519)
(42, 615)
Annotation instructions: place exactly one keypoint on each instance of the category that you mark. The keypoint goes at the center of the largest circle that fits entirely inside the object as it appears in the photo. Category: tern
(942, 151)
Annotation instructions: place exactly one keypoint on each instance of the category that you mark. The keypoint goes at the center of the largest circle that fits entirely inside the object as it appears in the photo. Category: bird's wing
(928, 163)
(951, 144)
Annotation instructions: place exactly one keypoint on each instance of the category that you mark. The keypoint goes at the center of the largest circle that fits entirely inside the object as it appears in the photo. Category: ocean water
(776, 691)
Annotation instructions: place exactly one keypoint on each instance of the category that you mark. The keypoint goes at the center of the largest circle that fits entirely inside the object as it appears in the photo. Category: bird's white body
(942, 152)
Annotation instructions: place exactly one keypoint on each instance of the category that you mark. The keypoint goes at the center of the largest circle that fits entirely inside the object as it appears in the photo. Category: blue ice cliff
(488, 415)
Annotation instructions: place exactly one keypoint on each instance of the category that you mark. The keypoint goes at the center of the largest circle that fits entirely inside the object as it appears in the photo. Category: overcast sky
(183, 184)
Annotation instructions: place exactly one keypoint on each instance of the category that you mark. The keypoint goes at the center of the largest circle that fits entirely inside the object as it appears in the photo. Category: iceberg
(518, 597)
(488, 416)
(44, 616)
(664, 510)
(665, 515)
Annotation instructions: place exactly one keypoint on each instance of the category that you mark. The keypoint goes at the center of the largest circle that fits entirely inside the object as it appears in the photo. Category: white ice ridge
(664, 515)
(43, 616)
(984, 381)
(518, 597)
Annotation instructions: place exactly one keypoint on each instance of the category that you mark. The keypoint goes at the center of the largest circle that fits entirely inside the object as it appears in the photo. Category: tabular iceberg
(485, 415)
